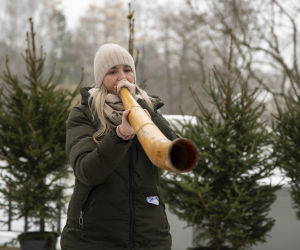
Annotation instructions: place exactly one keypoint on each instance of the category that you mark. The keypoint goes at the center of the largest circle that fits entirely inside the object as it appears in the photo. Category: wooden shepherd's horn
(177, 156)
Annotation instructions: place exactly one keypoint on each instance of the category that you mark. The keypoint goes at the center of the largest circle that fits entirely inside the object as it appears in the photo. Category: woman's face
(115, 74)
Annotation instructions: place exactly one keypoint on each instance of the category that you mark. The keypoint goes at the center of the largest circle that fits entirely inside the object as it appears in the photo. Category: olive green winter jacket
(109, 209)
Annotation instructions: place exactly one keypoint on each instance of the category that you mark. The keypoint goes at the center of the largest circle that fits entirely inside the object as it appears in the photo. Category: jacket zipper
(85, 205)
(131, 202)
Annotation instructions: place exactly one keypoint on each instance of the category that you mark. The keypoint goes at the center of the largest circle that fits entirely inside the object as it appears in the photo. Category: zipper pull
(81, 218)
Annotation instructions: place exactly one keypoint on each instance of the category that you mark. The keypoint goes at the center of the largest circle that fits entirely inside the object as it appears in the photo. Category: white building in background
(284, 235)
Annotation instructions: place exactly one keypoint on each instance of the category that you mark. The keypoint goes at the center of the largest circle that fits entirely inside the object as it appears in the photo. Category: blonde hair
(96, 105)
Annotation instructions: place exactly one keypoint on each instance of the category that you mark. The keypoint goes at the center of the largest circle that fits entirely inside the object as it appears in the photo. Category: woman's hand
(125, 128)
(125, 83)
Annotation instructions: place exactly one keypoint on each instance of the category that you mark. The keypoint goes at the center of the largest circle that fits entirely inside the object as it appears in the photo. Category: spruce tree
(287, 146)
(224, 196)
(33, 115)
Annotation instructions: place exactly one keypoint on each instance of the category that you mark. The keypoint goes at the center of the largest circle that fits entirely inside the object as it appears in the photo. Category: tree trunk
(42, 224)
(169, 77)
(26, 223)
(9, 214)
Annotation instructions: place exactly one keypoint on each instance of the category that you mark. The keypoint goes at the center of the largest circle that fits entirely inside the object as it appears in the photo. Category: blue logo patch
(153, 200)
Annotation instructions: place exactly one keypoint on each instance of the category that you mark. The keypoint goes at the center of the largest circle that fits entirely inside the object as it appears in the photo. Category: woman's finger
(126, 127)
(126, 112)
(120, 85)
(125, 115)
(130, 86)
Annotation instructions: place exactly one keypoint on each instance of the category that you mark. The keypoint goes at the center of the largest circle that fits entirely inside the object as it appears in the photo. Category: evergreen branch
(231, 209)
(41, 61)
(28, 57)
(221, 83)
(32, 39)
(202, 201)
(245, 242)
(33, 61)
(51, 76)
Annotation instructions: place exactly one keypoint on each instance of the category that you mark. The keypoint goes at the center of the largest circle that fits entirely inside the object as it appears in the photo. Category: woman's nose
(121, 75)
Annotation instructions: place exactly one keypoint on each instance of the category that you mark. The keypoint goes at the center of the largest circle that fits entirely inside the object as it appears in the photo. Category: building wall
(181, 237)
(285, 235)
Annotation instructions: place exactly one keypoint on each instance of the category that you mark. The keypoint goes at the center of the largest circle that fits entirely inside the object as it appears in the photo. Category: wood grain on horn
(177, 156)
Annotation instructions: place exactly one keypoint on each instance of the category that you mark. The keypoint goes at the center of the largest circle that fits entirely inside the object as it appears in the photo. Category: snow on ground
(17, 228)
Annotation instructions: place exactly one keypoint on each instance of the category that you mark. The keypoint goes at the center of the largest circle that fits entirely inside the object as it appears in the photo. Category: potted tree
(33, 118)
(224, 197)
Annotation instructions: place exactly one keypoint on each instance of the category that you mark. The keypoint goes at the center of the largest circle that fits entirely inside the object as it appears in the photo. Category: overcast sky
(73, 9)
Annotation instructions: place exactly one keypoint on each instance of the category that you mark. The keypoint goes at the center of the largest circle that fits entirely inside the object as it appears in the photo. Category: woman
(117, 201)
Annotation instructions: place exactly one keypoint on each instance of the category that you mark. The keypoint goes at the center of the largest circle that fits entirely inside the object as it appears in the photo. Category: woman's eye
(112, 72)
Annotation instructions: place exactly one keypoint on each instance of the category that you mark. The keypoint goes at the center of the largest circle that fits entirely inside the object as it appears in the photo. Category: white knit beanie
(108, 56)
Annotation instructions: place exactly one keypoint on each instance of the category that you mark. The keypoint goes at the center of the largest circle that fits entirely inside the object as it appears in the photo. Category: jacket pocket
(85, 206)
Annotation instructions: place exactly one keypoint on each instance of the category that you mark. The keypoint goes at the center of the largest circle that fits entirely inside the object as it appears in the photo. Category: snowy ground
(17, 228)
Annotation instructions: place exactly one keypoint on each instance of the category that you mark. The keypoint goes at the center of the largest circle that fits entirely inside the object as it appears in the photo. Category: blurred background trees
(265, 35)
(179, 42)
